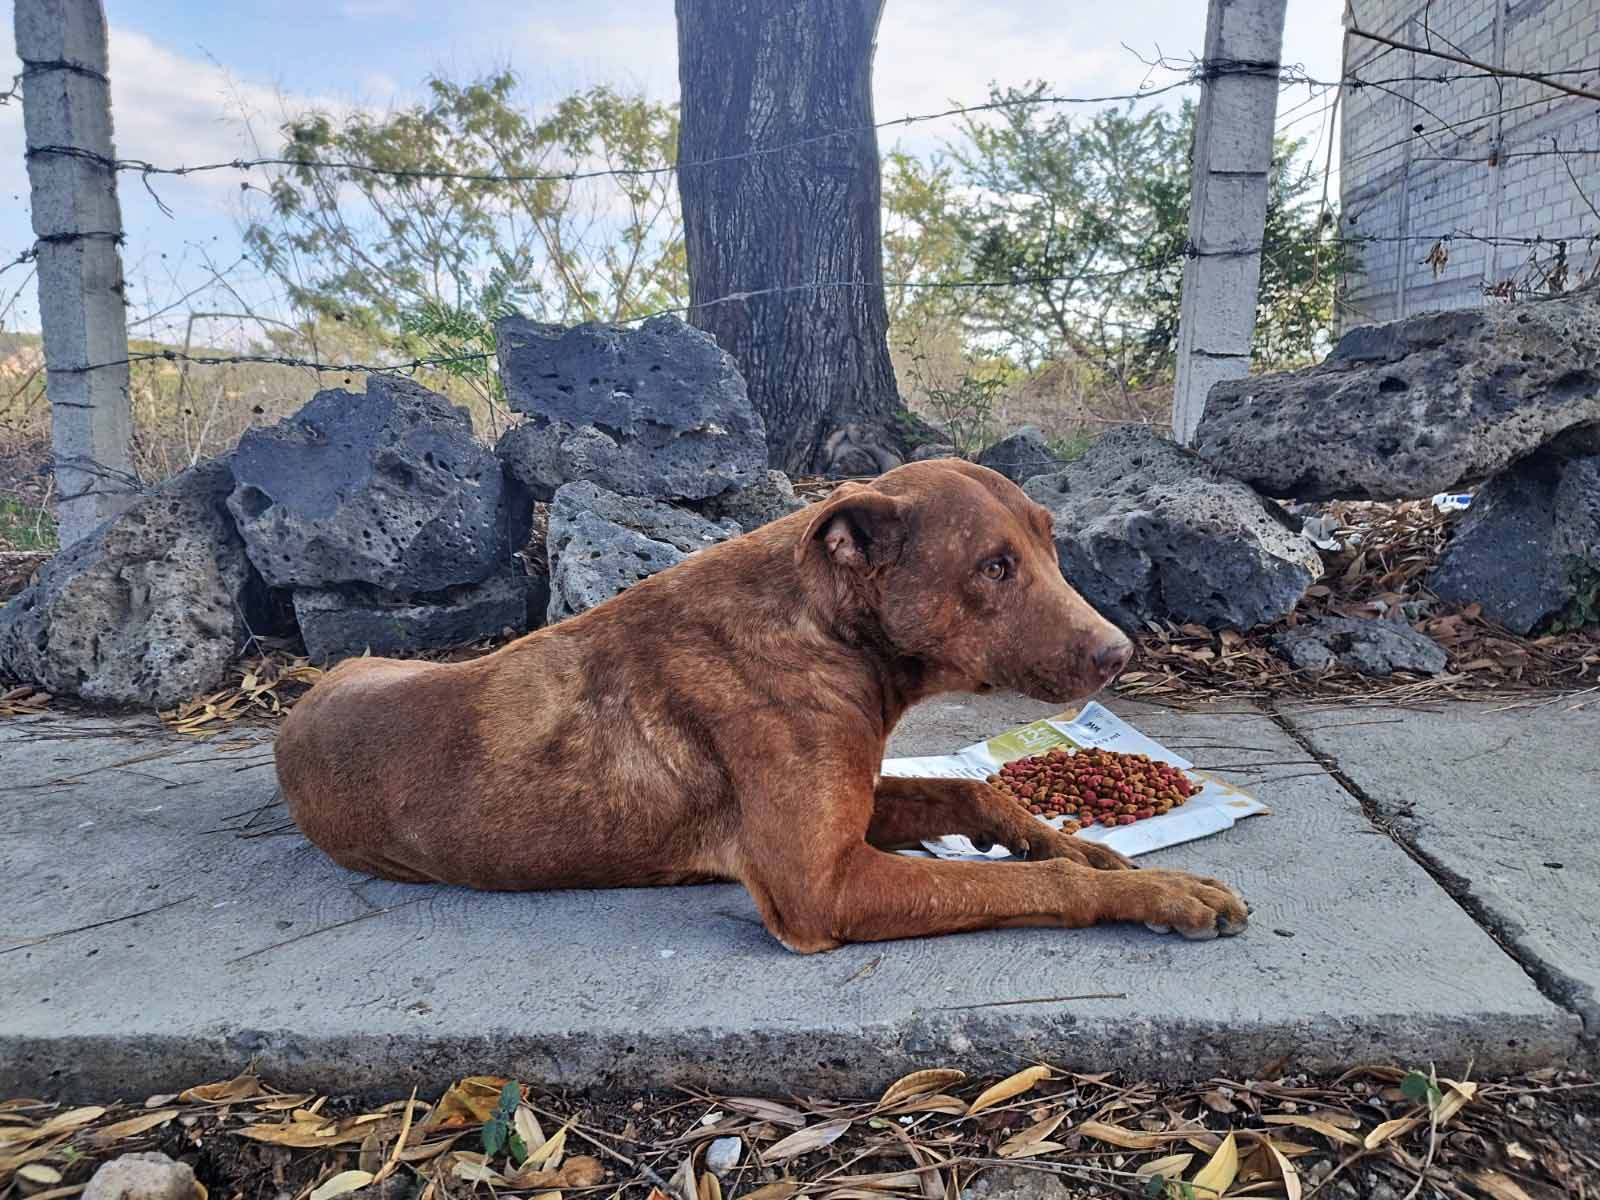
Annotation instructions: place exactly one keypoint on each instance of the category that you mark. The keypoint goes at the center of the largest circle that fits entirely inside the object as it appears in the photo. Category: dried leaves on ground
(1374, 1131)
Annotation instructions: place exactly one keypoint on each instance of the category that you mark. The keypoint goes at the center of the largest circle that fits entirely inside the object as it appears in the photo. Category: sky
(206, 82)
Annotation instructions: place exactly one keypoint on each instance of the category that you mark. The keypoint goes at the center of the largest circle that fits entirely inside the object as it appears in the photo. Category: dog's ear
(856, 528)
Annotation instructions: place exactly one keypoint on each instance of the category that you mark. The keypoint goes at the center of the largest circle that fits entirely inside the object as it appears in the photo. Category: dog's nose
(1111, 659)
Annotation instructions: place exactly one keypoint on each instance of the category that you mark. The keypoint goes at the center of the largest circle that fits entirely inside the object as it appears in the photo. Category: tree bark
(755, 75)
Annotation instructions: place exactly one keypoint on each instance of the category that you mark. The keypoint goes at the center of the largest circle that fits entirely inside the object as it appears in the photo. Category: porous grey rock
(148, 1175)
(1015, 1183)
(1146, 530)
(659, 410)
(933, 450)
(1021, 456)
(1415, 407)
(340, 623)
(600, 544)
(1526, 544)
(1367, 646)
(148, 609)
(387, 488)
(771, 497)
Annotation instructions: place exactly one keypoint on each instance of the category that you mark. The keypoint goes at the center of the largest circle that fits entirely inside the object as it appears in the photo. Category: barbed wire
(1189, 251)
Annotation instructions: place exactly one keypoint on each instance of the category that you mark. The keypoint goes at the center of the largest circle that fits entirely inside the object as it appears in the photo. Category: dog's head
(951, 565)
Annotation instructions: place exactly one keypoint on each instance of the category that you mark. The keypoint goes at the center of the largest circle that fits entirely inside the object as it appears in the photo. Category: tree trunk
(757, 74)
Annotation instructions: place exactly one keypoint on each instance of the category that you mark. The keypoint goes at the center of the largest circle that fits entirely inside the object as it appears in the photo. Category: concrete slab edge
(781, 1061)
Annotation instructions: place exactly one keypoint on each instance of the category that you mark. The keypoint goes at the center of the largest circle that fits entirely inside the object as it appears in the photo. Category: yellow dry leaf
(1286, 1171)
(1498, 1186)
(75, 1118)
(242, 1087)
(919, 1083)
(1022, 1144)
(302, 1136)
(549, 1152)
(1015, 1085)
(804, 1141)
(1217, 1176)
(939, 1103)
(710, 1188)
(132, 1127)
(1460, 1094)
(1126, 1139)
(428, 1150)
(1399, 1127)
(528, 1128)
(470, 1101)
(338, 1185)
(1171, 1167)
(1315, 1125)
(477, 1172)
(40, 1174)
(281, 1103)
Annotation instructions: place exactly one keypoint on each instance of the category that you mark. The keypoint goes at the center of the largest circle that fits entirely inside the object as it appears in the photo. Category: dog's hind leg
(906, 811)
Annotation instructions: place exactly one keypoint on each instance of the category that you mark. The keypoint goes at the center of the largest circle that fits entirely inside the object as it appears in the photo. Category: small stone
(1147, 531)
(723, 1154)
(1376, 648)
(144, 1176)
(1021, 456)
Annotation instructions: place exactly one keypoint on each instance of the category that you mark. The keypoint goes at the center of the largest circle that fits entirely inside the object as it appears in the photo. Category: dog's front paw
(1045, 842)
(1196, 906)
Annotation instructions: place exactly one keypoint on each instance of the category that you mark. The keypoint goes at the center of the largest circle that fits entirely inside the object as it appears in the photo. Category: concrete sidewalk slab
(1503, 803)
(255, 946)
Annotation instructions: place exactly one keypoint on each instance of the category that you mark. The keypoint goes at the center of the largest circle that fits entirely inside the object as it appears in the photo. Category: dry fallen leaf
(1498, 1186)
(229, 1091)
(469, 1102)
(1316, 1125)
(528, 1128)
(40, 1174)
(1171, 1167)
(1286, 1170)
(766, 1110)
(710, 1188)
(1027, 1142)
(1014, 1085)
(1126, 1139)
(781, 1190)
(338, 1185)
(919, 1083)
(75, 1118)
(132, 1127)
(804, 1141)
(1216, 1177)
(1398, 1127)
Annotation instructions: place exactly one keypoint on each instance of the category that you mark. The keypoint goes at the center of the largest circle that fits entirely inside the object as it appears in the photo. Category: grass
(23, 527)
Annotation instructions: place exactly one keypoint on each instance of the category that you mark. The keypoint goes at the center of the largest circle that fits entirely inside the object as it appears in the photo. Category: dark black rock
(658, 410)
(1021, 456)
(387, 488)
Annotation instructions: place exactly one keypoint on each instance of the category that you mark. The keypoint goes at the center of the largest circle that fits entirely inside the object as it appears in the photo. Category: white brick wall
(1405, 188)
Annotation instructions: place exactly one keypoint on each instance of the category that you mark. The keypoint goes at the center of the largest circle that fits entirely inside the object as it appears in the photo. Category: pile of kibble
(1091, 787)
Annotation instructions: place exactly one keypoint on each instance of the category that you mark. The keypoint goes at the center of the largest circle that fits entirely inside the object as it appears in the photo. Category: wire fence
(1323, 97)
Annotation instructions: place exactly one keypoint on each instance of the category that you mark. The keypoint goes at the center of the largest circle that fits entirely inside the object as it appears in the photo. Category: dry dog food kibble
(1094, 786)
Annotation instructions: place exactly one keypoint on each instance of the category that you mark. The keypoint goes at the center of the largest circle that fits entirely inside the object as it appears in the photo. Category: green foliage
(1090, 218)
(1418, 1088)
(1072, 447)
(409, 254)
(963, 409)
(1583, 610)
(498, 1132)
(26, 527)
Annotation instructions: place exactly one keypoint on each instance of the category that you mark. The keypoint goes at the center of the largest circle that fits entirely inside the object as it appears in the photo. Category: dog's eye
(995, 570)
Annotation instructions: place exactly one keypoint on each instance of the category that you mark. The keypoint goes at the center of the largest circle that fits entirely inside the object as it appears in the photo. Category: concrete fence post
(1228, 201)
(66, 105)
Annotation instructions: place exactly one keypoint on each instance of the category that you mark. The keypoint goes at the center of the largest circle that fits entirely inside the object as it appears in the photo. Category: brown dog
(726, 719)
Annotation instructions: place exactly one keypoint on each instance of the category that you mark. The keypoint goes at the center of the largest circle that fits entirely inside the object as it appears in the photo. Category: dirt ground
(1374, 1132)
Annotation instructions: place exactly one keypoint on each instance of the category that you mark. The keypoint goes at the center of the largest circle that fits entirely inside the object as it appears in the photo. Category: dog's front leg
(907, 811)
(818, 884)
